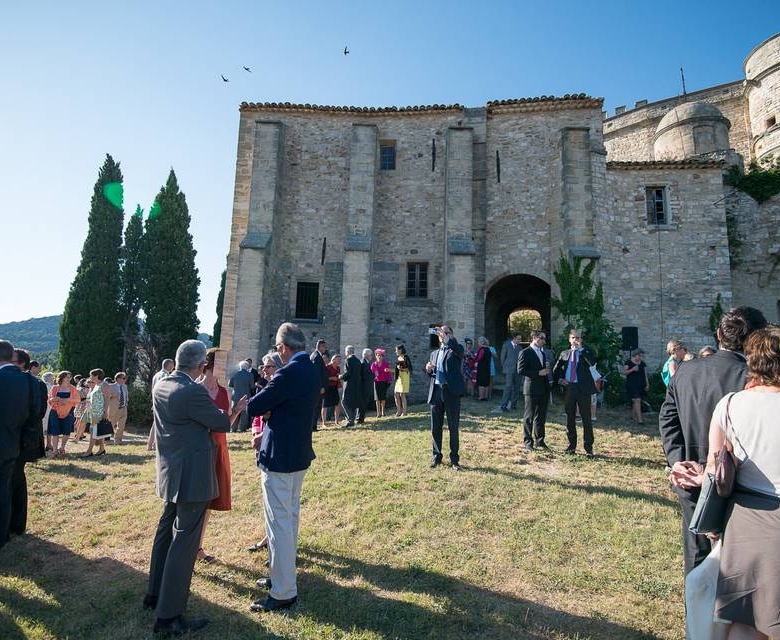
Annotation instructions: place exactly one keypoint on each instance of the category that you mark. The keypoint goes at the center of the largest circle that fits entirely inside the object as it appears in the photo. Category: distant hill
(41, 335)
(37, 335)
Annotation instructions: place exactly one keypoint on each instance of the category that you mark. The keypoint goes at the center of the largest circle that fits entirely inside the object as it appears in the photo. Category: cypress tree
(130, 287)
(90, 330)
(220, 304)
(170, 296)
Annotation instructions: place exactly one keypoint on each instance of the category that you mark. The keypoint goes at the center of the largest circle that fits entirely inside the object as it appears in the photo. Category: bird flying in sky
(224, 79)
(346, 51)
(247, 69)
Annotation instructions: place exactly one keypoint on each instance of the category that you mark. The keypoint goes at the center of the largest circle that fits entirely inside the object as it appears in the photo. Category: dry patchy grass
(539, 546)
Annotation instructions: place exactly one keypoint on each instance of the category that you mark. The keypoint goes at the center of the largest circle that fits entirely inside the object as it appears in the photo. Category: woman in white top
(748, 592)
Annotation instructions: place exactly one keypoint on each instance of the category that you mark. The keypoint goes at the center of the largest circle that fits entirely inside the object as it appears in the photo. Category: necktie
(574, 365)
(121, 396)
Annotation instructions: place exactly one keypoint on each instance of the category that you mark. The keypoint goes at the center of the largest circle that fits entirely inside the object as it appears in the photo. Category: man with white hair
(353, 385)
(184, 418)
(284, 453)
(243, 384)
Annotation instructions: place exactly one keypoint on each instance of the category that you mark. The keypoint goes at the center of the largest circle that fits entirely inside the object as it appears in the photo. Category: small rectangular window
(307, 300)
(387, 155)
(656, 205)
(771, 122)
(417, 280)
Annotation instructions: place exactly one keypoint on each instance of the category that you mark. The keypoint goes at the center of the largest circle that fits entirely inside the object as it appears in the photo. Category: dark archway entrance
(511, 293)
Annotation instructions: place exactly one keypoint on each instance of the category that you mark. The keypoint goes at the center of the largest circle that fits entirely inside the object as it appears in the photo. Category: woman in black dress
(637, 382)
(483, 368)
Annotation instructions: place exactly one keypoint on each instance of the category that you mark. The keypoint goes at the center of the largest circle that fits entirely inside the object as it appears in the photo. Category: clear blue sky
(140, 80)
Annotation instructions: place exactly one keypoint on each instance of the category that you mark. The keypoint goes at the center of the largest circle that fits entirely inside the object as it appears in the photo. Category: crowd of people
(729, 394)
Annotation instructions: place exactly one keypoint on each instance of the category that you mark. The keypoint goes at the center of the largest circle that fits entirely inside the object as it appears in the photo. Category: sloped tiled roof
(546, 103)
(288, 106)
(691, 163)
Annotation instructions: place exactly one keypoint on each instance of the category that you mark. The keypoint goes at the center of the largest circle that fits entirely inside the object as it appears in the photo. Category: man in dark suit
(31, 445)
(368, 385)
(284, 454)
(510, 352)
(184, 418)
(685, 416)
(353, 385)
(532, 364)
(318, 358)
(444, 393)
(572, 372)
(14, 410)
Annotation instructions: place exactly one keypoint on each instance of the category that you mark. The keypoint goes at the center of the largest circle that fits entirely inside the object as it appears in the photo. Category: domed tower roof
(691, 129)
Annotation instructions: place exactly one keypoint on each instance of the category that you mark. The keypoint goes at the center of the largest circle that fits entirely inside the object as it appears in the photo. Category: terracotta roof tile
(288, 106)
(691, 163)
(568, 101)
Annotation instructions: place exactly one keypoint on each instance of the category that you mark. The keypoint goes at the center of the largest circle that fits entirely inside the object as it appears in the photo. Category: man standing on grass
(685, 416)
(14, 410)
(534, 368)
(444, 393)
(510, 352)
(289, 400)
(184, 418)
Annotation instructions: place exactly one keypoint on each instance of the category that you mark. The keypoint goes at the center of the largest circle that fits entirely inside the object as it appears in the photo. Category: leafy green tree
(91, 327)
(581, 303)
(170, 291)
(523, 321)
(220, 303)
(130, 287)
(716, 313)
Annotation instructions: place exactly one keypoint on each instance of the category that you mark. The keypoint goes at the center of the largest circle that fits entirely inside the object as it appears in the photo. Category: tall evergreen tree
(170, 296)
(130, 287)
(90, 331)
(220, 303)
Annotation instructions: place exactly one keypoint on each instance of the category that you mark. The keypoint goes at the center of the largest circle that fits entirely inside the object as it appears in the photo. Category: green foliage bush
(139, 411)
(761, 183)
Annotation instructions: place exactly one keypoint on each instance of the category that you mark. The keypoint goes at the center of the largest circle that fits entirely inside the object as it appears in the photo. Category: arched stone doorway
(518, 291)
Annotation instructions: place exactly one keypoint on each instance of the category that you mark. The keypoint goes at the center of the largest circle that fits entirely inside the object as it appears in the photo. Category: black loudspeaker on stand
(630, 337)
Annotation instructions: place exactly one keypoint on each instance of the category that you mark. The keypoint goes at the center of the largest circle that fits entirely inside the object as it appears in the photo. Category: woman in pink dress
(383, 376)
(221, 399)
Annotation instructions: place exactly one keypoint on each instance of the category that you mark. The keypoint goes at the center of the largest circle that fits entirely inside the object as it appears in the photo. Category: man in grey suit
(243, 384)
(184, 417)
(510, 352)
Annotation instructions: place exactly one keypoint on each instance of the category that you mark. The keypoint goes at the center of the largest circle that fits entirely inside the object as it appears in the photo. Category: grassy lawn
(516, 546)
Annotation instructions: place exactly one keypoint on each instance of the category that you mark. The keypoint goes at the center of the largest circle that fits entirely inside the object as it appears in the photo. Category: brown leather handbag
(726, 462)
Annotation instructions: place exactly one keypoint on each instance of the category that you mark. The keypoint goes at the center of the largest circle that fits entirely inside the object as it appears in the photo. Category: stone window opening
(417, 280)
(657, 208)
(387, 155)
(771, 122)
(307, 297)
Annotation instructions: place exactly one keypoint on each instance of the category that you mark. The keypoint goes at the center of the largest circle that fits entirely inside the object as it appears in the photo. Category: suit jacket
(184, 417)
(31, 437)
(510, 353)
(292, 397)
(584, 363)
(243, 384)
(353, 382)
(453, 377)
(319, 361)
(14, 409)
(693, 392)
(368, 380)
(529, 366)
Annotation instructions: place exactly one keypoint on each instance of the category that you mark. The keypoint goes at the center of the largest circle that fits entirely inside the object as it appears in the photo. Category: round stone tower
(762, 87)
(691, 129)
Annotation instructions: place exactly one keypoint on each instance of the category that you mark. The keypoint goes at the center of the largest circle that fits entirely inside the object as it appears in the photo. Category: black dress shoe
(150, 602)
(264, 583)
(456, 467)
(570, 451)
(588, 453)
(179, 625)
(543, 447)
(270, 603)
(435, 464)
(528, 448)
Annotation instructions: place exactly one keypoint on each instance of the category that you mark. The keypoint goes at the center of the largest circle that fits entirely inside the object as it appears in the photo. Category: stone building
(367, 226)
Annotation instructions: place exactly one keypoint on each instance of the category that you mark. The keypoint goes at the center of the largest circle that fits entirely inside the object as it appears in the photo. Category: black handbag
(710, 513)
(104, 428)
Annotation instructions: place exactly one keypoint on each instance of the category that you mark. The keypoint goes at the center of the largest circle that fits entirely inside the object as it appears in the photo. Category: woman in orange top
(221, 399)
(63, 399)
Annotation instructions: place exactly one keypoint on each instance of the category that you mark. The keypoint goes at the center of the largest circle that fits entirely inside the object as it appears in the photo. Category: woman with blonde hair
(676, 351)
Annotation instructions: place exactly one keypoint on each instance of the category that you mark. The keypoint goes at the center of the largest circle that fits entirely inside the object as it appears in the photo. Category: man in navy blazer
(289, 401)
(14, 409)
(444, 393)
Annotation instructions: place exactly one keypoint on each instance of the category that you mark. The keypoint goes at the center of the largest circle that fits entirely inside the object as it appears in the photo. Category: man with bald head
(444, 393)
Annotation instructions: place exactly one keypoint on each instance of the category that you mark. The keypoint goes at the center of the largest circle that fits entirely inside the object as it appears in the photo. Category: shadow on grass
(415, 602)
(47, 591)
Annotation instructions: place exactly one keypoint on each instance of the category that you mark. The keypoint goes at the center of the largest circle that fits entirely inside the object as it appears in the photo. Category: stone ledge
(255, 240)
(358, 243)
(665, 164)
